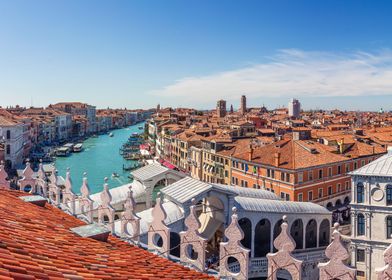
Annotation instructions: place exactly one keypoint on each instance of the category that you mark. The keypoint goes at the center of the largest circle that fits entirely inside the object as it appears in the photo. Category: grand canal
(99, 158)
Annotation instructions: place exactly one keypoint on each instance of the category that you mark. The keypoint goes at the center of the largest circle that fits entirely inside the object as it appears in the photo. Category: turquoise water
(99, 158)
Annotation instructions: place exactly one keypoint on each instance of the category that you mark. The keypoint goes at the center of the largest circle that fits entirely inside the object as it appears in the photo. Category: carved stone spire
(4, 183)
(28, 180)
(385, 273)
(106, 209)
(86, 204)
(41, 173)
(129, 217)
(158, 232)
(193, 245)
(234, 250)
(337, 254)
(68, 195)
(54, 189)
(283, 258)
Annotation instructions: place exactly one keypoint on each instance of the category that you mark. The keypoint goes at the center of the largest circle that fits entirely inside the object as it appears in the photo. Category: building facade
(371, 210)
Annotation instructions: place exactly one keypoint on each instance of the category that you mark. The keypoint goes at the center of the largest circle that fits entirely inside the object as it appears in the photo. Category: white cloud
(292, 73)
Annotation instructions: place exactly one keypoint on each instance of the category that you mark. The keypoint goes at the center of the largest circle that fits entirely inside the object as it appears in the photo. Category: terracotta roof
(36, 243)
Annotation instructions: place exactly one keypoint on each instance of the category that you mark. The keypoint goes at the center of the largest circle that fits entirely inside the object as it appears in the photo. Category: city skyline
(191, 54)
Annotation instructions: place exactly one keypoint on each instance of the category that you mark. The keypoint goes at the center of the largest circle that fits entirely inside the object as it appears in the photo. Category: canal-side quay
(100, 158)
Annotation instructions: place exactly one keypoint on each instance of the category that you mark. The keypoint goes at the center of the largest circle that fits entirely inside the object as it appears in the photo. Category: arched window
(297, 232)
(329, 206)
(246, 226)
(277, 230)
(360, 225)
(389, 195)
(360, 193)
(311, 234)
(324, 233)
(262, 238)
(389, 227)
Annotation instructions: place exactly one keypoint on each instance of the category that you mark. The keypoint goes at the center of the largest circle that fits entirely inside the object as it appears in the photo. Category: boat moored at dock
(78, 148)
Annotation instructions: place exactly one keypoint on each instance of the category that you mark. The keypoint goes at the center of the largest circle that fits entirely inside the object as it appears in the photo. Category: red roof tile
(36, 243)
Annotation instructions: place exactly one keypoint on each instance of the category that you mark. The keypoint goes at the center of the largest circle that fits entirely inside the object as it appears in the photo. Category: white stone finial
(193, 245)
(129, 217)
(28, 182)
(106, 209)
(54, 189)
(158, 230)
(283, 258)
(384, 273)
(69, 196)
(85, 202)
(233, 248)
(337, 254)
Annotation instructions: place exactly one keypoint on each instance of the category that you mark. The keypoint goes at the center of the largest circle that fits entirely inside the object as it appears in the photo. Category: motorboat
(111, 134)
(115, 175)
(78, 148)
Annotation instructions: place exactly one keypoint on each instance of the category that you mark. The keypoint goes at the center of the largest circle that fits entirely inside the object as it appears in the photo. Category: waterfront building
(78, 108)
(371, 213)
(221, 108)
(12, 138)
(294, 108)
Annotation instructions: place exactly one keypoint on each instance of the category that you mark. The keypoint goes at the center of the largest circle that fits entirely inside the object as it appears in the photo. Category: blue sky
(190, 53)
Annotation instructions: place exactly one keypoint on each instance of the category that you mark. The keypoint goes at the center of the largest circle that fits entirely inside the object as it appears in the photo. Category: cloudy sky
(330, 54)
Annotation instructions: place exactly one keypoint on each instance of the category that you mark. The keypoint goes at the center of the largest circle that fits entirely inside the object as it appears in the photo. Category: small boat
(140, 127)
(111, 134)
(62, 152)
(115, 175)
(135, 134)
(78, 148)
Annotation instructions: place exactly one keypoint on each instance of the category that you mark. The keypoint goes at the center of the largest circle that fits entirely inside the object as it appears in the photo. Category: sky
(136, 54)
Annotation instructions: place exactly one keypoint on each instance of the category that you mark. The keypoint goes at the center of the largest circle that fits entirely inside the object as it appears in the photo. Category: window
(310, 195)
(300, 197)
(360, 224)
(8, 149)
(226, 173)
(282, 195)
(355, 165)
(330, 171)
(347, 185)
(310, 175)
(360, 273)
(330, 190)
(360, 193)
(347, 168)
(320, 174)
(339, 169)
(320, 192)
(8, 134)
(339, 186)
(389, 195)
(363, 163)
(287, 177)
(389, 227)
(287, 197)
(360, 255)
(300, 177)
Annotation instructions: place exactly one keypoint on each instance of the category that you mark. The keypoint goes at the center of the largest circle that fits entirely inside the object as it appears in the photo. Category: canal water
(99, 158)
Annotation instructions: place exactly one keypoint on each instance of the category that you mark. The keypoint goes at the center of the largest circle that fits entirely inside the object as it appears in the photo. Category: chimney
(277, 158)
(373, 150)
(250, 155)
